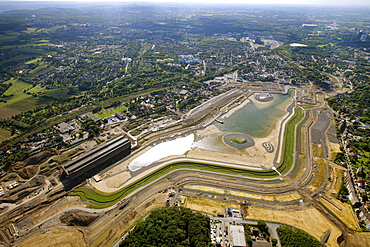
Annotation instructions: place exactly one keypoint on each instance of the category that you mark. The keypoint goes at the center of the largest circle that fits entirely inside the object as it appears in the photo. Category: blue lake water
(256, 120)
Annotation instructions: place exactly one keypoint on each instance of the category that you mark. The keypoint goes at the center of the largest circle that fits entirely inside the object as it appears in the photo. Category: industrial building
(92, 162)
(237, 236)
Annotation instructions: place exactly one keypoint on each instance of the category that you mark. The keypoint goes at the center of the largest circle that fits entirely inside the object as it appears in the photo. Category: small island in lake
(238, 140)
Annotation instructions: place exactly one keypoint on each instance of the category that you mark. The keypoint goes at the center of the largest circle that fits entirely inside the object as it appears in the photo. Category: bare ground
(343, 210)
(280, 198)
(309, 220)
(208, 206)
(57, 236)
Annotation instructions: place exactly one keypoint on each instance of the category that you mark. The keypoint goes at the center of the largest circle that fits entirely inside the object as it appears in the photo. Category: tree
(293, 237)
(170, 226)
(274, 241)
(263, 227)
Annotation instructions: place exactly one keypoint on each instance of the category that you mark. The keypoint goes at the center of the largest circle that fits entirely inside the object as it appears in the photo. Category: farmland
(18, 96)
(4, 134)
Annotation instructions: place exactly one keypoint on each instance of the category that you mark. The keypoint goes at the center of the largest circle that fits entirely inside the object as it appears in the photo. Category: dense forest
(293, 237)
(172, 226)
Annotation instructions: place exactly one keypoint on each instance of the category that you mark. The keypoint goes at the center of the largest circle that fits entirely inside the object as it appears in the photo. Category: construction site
(299, 190)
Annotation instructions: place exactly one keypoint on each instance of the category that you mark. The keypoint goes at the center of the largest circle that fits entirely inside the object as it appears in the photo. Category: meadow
(17, 98)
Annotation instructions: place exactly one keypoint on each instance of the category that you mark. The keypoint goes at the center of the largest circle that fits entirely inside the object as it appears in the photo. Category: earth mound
(78, 218)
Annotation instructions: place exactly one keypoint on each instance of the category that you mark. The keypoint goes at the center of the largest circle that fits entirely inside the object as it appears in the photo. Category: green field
(38, 69)
(7, 38)
(17, 87)
(4, 135)
(23, 56)
(59, 93)
(8, 47)
(17, 99)
(34, 61)
(106, 112)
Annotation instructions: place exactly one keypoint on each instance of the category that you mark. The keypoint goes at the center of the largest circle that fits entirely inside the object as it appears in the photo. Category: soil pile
(29, 167)
(77, 218)
(41, 157)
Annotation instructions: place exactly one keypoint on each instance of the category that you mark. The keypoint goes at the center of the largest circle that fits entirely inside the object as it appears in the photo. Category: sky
(315, 2)
(275, 2)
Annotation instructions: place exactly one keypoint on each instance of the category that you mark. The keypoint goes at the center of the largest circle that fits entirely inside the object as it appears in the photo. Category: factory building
(92, 162)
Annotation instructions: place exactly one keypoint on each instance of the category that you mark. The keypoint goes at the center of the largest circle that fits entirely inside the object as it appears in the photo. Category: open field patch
(17, 86)
(107, 112)
(338, 181)
(15, 93)
(7, 38)
(4, 135)
(280, 198)
(308, 219)
(59, 93)
(34, 61)
(26, 104)
(56, 237)
(18, 100)
(343, 210)
(319, 176)
(208, 206)
(38, 69)
(7, 112)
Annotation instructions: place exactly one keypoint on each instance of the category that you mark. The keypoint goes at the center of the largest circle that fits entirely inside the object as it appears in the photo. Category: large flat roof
(237, 235)
(101, 151)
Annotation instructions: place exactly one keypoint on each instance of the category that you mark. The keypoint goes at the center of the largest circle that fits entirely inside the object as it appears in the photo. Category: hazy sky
(295, 2)
(300, 2)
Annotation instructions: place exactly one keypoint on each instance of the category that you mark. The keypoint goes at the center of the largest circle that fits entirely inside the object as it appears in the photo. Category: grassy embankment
(288, 143)
(100, 199)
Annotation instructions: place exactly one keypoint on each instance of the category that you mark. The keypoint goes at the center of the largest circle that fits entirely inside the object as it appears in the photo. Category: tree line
(170, 226)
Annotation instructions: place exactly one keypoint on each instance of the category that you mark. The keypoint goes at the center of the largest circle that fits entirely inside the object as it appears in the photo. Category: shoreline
(254, 157)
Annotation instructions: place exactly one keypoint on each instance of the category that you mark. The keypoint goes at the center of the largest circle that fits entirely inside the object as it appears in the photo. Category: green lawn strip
(101, 200)
(81, 194)
(34, 61)
(288, 143)
(36, 70)
(37, 89)
(107, 113)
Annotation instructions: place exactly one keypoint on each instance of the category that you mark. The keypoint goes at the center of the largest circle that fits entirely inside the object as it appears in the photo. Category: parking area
(220, 232)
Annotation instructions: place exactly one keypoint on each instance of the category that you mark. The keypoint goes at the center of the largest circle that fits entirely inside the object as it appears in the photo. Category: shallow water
(174, 147)
(257, 120)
